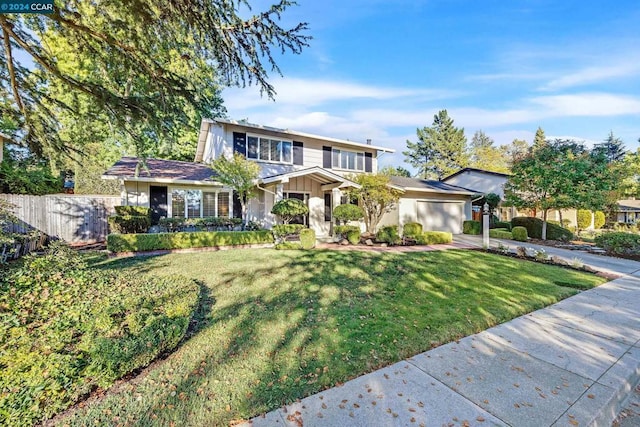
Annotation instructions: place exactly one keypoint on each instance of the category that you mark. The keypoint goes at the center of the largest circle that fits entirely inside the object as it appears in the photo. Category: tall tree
(150, 58)
(559, 175)
(397, 171)
(375, 196)
(484, 155)
(516, 150)
(540, 140)
(240, 175)
(612, 148)
(440, 150)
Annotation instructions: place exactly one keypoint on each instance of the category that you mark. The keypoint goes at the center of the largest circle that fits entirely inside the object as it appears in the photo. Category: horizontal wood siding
(67, 217)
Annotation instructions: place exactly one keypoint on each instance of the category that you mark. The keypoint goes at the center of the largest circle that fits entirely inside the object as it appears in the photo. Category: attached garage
(440, 215)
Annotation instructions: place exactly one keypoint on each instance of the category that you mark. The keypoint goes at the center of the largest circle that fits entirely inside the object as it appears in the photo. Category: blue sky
(381, 69)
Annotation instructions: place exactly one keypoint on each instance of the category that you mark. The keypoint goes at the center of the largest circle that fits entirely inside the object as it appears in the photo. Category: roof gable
(173, 170)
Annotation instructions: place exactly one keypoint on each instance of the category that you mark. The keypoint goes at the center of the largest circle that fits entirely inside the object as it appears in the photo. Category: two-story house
(311, 168)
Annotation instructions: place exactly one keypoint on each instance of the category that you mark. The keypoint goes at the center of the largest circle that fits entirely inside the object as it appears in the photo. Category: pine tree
(612, 148)
(539, 140)
(484, 155)
(440, 150)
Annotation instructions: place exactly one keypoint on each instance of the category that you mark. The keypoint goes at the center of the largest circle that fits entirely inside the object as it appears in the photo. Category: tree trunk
(560, 216)
(243, 204)
(544, 224)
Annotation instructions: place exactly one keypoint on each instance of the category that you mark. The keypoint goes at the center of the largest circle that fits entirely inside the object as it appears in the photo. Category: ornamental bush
(501, 224)
(308, 238)
(288, 209)
(619, 243)
(519, 234)
(283, 230)
(348, 212)
(583, 218)
(534, 228)
(133, 210)
(199, 239)
(434, 238)
(126, 224)
(353, 236)
(412, 230)
(472, 227)
(389, 234)
(342, 230)
(599, 220)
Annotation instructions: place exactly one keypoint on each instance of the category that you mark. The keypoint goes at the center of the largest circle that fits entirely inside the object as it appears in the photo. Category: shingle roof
(161, 169)
(429, 185)
(629, 205)
(475, 170)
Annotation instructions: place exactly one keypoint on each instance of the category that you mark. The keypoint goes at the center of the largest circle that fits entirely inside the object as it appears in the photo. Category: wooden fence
(72, 218)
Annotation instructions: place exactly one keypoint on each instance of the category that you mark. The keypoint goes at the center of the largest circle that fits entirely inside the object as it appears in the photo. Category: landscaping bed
(286, 324)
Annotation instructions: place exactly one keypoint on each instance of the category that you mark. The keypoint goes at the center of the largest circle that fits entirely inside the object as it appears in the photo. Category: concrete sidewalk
(570, 364)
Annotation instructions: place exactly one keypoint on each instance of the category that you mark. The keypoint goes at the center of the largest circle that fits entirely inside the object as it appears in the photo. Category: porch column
(279, 193)
(336, 195)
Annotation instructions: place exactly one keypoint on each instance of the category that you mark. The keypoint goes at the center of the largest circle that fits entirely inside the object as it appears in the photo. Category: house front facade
(311, 168)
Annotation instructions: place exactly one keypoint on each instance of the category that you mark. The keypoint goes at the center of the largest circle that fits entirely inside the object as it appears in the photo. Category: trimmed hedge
(534, 228)
(198, 239)
(288, 245)
(434, 238)
(500, 233)
(583, 218)
(389, 234)
(412, 230)
(132, 211)
(471, 227)
(501, 224)
(126, 224)
(619, 242)
(520, 234)
(598, 220)
(202, 224)
(308, 238)
(343, 230)
(284, 230)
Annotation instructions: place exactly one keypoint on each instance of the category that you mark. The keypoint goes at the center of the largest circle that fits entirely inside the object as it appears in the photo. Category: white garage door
(440, 216)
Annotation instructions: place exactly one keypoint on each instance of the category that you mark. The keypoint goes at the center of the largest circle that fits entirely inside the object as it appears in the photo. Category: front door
(158, 203)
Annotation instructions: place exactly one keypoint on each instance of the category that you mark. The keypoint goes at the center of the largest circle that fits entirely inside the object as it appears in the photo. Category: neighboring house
(311, 168)
(628, 211)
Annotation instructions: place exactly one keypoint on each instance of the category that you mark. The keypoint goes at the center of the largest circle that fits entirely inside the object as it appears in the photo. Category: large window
(269, 150)
(197, 204)
(344, 159)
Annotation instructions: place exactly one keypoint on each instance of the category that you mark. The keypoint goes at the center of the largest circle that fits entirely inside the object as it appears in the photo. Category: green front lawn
(274, 326)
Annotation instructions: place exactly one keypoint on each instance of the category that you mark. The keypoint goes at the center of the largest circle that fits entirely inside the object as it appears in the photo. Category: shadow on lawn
(289, 324)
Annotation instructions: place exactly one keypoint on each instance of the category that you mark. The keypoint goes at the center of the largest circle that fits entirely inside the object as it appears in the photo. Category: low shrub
(389, 234)
(66, 329)
(500, 233)
(520, 234)
(132, 211)
(353, 236)
(342, 230)
(199, 239)
(284, 230)
(126, 224)
(472, 227)
(619, 243)
(288, 245)
(288, 209)
(308, 238)
(583, 218)
(348, 212)
(434, 238)
(412, 230)
(203, 224)
(534, 228)
(599, 220)
(501, 224)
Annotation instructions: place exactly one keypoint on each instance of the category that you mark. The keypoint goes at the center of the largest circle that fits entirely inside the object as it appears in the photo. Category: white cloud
(586, 105)
(590, 75)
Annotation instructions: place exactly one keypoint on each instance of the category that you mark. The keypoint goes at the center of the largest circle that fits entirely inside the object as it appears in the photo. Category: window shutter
(326, 157)
(368, 162)
(297, 153)
(240, 143)
(237, 206)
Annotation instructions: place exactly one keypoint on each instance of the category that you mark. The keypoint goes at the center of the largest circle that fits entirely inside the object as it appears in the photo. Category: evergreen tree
(440, 150)
(484, 155)
(612, 148)
(146, 64)
(517, 150)
(539, 140)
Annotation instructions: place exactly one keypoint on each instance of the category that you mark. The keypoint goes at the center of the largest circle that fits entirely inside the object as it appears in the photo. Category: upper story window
(345, 159)
(269, 150)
